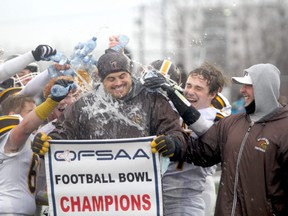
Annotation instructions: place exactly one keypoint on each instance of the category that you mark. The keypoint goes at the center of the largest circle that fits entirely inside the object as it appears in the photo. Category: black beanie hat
(111, 62)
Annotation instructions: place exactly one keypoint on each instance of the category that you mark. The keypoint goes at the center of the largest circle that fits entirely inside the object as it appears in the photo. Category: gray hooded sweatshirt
(266, 93)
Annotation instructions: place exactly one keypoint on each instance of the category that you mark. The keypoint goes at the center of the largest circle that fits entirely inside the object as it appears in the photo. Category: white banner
(103, 177)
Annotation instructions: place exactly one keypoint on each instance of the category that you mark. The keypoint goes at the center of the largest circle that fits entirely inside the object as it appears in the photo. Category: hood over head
(266, 86)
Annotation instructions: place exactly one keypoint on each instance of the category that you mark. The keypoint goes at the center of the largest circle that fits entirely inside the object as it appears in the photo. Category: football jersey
(17, 179)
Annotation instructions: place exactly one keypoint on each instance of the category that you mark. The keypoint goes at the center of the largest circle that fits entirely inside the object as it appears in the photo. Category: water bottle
(53, 72)
(76, 61)
(59, 90)
(88, 47)
(164, 164)
(79, 46)
(123, 41)
(89, 63)
(69, 72)
(59, 58)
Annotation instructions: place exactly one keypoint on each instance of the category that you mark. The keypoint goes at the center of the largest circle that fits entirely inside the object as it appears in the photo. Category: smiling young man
(189, 189)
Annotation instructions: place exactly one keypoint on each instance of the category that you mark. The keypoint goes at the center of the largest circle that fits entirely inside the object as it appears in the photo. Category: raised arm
(34, 119)
(13, 66)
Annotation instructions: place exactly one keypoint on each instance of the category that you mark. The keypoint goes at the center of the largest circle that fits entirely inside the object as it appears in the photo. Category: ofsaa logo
(106, 154)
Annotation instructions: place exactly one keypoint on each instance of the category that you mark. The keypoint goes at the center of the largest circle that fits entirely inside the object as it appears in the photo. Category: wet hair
(214, 77)
(15, 103)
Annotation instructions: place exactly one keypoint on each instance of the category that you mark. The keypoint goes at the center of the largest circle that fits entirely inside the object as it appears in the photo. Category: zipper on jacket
(237, 169)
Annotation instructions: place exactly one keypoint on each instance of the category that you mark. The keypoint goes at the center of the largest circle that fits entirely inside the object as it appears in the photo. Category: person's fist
(61, 89)
(118, 42)
(43, 52)
(153, 80)
(40, 144)
(165, 145)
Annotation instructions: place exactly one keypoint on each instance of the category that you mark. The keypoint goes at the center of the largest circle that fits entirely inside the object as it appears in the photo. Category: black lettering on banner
(84, 178)
(136, 176)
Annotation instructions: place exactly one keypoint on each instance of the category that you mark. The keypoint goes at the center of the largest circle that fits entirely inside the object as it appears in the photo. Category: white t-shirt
(17, 179)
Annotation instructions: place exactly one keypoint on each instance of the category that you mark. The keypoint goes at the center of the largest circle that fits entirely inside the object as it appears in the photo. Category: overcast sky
(64, 23)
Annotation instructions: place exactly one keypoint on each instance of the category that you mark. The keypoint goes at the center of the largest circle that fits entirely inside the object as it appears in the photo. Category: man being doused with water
(120, 107)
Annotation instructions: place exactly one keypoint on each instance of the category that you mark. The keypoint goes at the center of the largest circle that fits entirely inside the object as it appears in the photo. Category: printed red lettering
(147, 203)
(124, 200)
(75, 203)
(64, 207)
(108, 202)
(98, 204)
(116, 203)
(135, 202)
(86, 204)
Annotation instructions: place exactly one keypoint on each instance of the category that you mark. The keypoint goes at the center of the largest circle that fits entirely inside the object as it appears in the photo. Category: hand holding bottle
(61, 89)
(118, 42)
(43, 52)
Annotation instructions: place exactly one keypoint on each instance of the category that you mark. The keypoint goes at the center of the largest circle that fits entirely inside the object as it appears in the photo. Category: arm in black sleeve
(188, 113)
(201, 154)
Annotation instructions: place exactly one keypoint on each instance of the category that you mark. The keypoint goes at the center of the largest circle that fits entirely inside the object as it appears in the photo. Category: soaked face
(28, 107)
(248, 94)
(197, 92)
(118, 84)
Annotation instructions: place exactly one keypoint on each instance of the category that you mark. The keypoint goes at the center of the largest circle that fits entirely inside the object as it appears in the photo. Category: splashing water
(108, 109)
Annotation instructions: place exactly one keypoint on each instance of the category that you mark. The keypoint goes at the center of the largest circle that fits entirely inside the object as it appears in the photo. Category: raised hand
(43, 52)
(61, 89)
(153, 80)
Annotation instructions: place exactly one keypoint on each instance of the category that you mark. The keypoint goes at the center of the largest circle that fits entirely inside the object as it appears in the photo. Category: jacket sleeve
(205, 150)
(280, 202)
(15, 65)
(36, 85)
(166, 121)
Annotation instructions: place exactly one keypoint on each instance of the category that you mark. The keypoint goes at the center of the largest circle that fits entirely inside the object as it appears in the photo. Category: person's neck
(250, 108)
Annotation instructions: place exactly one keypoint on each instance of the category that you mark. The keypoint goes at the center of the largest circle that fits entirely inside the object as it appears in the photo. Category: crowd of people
(192, 124)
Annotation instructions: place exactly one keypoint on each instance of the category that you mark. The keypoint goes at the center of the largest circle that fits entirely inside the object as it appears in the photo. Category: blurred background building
(232, 36)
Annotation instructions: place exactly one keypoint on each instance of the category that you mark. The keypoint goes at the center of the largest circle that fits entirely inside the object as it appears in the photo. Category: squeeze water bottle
(123, 41)
(59, 58)
(89, 63)
(53, 72)
(88, 47)
(59, 90)
(69, 72)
